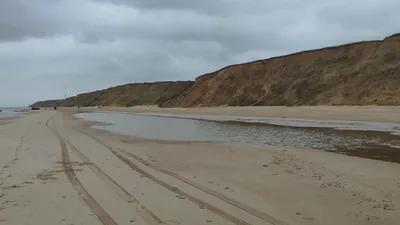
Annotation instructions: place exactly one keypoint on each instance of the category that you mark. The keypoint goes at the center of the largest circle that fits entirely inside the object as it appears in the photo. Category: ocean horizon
(10, 111)
(13, 108)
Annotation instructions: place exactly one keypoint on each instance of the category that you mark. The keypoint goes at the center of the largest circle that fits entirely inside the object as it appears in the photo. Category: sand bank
(356, 113)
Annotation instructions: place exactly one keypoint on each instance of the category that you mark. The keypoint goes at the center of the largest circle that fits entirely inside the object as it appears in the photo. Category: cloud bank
(49, 48)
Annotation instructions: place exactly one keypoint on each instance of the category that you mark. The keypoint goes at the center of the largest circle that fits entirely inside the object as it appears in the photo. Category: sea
(11, 111)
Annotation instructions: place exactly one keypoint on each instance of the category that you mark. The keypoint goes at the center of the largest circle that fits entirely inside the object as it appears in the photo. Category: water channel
(365, 139)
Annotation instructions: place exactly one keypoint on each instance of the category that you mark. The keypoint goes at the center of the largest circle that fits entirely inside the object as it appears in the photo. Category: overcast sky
(49, 48)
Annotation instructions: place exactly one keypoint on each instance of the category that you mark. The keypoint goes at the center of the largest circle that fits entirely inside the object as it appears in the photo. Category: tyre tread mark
(101, 214)
(124, 194)
(176, 190)
(233, 202)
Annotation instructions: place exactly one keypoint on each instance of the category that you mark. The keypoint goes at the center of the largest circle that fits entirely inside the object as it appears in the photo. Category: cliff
(47, 103)
(124, 95)
(354, 74)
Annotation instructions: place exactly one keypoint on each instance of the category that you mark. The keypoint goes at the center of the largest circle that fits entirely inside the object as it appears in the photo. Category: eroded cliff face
(124, 95)
(354, 74)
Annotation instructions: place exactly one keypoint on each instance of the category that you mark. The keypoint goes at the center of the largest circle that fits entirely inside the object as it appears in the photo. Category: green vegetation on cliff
(124, 95)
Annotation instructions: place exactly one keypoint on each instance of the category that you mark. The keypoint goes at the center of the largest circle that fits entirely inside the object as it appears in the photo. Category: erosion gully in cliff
(362, 73)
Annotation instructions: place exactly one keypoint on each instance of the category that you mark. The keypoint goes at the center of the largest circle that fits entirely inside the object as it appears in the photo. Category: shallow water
(393, 128)
(7, 112)
(377, 145)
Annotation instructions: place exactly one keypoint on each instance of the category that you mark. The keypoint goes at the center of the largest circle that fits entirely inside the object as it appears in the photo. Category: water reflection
(181, 129)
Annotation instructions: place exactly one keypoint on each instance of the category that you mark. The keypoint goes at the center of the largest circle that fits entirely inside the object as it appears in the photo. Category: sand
(58, 170)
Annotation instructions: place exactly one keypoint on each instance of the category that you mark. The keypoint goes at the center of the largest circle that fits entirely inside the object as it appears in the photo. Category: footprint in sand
(28, 182)
(181, 197)
(46, 175)
(174, 222)
(374, 218)
(13, 186)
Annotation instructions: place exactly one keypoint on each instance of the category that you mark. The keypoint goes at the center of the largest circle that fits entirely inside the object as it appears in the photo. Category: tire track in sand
(124, 194)
(233, 202)
(103, 216)
(176, 190)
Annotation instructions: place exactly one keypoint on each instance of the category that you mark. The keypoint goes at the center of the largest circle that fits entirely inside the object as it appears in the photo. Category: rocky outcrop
(124, 95)
(354, 74)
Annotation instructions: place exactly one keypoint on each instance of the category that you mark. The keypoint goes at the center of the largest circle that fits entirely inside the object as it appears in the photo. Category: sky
(52, 48)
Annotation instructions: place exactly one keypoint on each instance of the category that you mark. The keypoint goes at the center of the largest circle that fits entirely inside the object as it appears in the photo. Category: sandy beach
(55, 169)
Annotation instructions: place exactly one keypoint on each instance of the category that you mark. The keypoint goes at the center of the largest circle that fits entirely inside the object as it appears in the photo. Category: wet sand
(57, 170)
(384, 133)
(356, 113)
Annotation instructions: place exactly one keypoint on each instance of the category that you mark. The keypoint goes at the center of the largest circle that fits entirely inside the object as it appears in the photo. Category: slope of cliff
(124, 95)
(47, 103)
(354, 74)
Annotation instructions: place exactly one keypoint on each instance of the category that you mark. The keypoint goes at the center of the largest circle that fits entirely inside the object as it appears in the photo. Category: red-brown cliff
(354, 74)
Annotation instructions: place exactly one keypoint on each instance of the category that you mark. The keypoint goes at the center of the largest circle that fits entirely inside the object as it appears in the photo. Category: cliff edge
(361, 73)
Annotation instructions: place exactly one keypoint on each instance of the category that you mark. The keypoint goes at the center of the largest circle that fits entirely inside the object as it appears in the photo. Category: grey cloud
(221, 8)
(20, 19)
(370, 15)
(72, 46)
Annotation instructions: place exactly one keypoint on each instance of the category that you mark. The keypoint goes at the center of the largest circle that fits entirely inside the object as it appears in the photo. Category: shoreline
(337, 125)
(388, 150)
(390, 114)
(89, 125)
